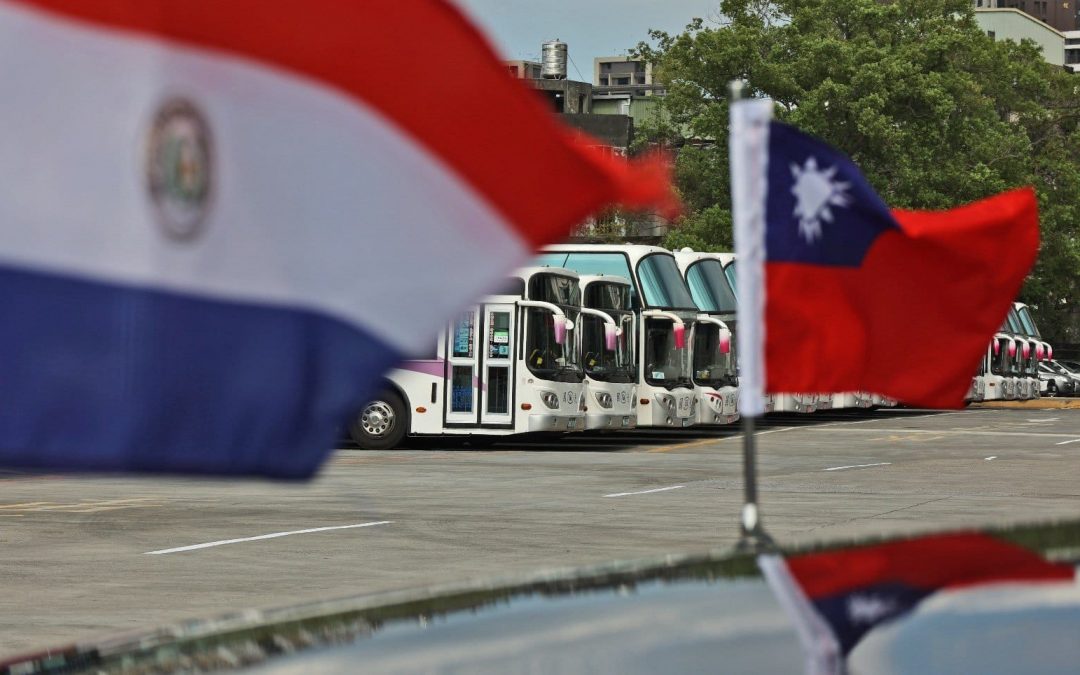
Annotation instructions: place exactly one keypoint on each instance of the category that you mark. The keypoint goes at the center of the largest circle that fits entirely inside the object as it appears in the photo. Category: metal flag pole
(753, 537)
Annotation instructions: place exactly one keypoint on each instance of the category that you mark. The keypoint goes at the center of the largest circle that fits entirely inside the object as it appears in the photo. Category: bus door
(497, 378)
(479, 374)
(463, 360)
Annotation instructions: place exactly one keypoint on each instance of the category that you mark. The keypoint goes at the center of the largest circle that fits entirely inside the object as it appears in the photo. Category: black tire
(381, 424)
(1051, 389)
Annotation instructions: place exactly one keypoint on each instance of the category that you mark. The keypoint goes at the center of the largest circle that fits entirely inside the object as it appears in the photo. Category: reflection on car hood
(677, 614)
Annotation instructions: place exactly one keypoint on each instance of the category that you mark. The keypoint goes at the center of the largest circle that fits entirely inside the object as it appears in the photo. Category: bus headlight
(550, 399)
(604, 399)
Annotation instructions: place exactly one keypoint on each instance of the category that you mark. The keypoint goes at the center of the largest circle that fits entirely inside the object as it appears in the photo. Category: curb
(1034, 404)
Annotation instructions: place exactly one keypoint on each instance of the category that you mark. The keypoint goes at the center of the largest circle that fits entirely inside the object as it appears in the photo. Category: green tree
(933, 111)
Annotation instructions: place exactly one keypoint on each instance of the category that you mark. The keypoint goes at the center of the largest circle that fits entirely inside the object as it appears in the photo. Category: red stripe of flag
(932, 562)
(428, 70)
(920, 298)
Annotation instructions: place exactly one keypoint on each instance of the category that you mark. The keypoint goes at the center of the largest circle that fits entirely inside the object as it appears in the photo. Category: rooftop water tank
(553, 60)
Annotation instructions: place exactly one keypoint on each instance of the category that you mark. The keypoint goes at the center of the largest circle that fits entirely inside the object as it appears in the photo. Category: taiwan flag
(837, 597)
(222, 222)
(840, 293)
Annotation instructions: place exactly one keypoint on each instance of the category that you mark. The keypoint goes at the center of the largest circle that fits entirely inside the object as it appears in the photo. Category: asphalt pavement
(86, 557)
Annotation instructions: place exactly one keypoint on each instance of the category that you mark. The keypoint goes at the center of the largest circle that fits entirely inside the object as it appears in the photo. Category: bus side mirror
(610, 336)
(560, 330)
(680, 336)
(725, 342)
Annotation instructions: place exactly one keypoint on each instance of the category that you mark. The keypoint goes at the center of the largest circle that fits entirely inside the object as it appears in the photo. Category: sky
(590, 27)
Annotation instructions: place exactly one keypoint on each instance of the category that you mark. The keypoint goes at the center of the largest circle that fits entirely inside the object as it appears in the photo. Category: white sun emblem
(815, 191)
(869, 609)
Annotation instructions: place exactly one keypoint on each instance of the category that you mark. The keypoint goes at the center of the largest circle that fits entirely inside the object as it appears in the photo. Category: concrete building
(607, 113)
(1072, 50)
(524, 70)
(568, 97)
(1058, 48)
(1061, 15)
(625, 86)
(621, 71)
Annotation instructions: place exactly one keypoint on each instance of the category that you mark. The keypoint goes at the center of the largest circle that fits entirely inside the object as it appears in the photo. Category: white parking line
(950, 432)
(273, 535)
(856, 466)
(991, 457)
(645, 492)
(1075, 440)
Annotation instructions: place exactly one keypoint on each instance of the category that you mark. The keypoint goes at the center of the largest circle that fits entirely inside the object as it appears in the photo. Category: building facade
(1007, 23)
(1061, 15)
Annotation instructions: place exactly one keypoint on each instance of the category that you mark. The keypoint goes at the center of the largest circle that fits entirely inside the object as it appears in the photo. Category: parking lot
(89, 557)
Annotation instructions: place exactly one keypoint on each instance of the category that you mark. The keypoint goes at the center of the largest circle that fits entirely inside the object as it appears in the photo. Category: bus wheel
(381, 424)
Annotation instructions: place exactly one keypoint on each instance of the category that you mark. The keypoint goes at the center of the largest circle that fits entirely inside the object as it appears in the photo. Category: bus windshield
(662, 284)
(546, 358)
(1027, 322)
(600, 363)
(665, 366)
(1013, 319)
(999, 364)
(729, 271)
(710, 288)
(711, 367)
(1016, 366)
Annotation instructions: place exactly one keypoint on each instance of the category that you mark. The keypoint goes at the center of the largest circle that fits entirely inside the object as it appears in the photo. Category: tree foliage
(932, 110)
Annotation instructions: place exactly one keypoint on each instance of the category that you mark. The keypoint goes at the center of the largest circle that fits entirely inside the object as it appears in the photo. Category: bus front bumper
(717, 406)
(611, 421)
(553, 422)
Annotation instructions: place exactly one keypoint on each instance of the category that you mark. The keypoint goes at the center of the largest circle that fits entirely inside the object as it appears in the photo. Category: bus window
(601, 364)
(1013, 320)
(546, 358)
(999, 365)
(607, 296)
(556, 289)
(709, 287)
(662, 284)
(712, 368)
(1027, 322)
(730, 272)
(665, 365)
(610, 264)
(550, 260)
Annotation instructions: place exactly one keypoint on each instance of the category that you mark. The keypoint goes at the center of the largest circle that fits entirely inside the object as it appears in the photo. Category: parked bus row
(611, 337)
(592, 337)
(1014, 358)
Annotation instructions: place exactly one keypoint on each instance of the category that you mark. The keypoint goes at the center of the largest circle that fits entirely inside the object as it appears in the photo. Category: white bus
(715, 362)
(508, 365)
(993, 379)
(607, 337)
(1040, 349)
(665, 315)
(1025, 369)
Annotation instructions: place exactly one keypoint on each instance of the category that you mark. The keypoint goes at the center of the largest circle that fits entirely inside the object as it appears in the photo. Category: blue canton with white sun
(820, 210)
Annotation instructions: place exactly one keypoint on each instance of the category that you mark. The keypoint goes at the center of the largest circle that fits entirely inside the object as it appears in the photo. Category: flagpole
(753, 537)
